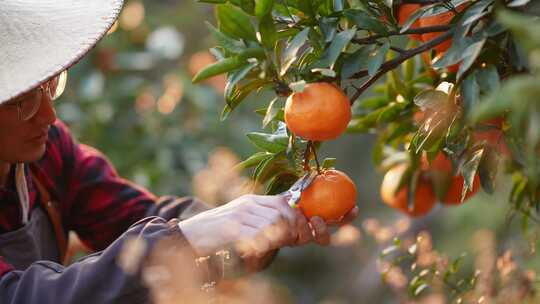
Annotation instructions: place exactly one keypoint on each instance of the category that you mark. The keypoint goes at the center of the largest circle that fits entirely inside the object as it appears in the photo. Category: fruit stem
(282, 89)
(307, 156)
(314, 150)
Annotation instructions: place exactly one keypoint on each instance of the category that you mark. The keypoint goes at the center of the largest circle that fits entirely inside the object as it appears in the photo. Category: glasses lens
(29, 103)
(57, 85)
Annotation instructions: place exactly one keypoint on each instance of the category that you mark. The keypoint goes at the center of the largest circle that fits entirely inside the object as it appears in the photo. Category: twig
(422, 1)
(398, 49)
(315, 156)
(392, 64)
(418, 30)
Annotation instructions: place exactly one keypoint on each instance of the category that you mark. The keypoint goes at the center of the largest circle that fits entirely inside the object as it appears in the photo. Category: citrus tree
(449, 87)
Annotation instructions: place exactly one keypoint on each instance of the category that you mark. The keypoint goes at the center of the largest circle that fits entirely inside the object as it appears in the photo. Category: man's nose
(46, 113)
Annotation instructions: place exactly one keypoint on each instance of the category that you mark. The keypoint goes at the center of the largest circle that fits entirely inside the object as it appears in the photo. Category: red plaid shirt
(94, 201)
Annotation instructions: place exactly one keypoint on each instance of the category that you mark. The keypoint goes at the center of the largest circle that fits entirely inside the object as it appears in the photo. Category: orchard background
(134, 98)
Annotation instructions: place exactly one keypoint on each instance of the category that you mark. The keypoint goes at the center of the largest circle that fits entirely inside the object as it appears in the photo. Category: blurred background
(133, 99)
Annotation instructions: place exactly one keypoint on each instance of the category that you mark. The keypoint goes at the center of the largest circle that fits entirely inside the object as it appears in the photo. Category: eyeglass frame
(30, 96)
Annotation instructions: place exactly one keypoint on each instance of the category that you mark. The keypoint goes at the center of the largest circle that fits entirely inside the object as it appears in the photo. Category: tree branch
(422, 1)
(418, 30)
(392, 64)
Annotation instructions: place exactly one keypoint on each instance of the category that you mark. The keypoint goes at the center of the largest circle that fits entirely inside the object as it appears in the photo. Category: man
(50, 184)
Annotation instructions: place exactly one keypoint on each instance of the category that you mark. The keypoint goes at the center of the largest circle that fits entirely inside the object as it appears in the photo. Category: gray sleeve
(97, 278)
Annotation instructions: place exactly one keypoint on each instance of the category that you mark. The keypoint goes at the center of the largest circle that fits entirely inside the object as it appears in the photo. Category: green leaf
(470, 55)
(291, 52)
(469, 170)
(488, 170)
(253, 160)
(353, 63)
(430, 99)
(240, 93)
(488, 79)
(470, 91)
(516, 93)
(377, 58)
(390, 112)
(271, 112)
(329, 163)
(234, 22)
(268, 32)
(412, 19)
(263, 8)
(281, 183)
(269, 142)
(526, 28)
(365, 21)
(226, 42)
(223, 66)
(476, 11)
(235, 77)
(334, 50)
(328, 28)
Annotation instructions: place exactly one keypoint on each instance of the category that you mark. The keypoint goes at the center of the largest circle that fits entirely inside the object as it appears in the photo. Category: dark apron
(33, 242)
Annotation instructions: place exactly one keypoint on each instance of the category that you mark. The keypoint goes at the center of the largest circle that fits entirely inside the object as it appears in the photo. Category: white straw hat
(40, 38)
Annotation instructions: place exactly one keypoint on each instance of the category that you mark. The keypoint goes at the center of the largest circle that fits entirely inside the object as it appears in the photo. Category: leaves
(365, 21)
(234, 22)
(291, 52)
(263, 8)
(377, 58)
(269, 142)
(334, 50)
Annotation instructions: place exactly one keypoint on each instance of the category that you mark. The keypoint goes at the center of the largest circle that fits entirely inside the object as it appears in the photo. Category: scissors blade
(300, 185)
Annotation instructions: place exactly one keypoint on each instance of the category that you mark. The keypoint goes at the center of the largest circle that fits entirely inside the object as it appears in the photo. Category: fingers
(350, 216)
(304, 231)
(346, 219)
(320, 231)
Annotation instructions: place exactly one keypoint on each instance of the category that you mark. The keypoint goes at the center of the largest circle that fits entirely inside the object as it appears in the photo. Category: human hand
(319, 229)
(252, 224)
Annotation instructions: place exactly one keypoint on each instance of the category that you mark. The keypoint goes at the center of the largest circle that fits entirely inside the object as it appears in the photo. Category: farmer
(49, 184)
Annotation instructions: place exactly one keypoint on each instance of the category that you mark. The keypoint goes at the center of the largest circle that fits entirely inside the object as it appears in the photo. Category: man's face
(24, 140)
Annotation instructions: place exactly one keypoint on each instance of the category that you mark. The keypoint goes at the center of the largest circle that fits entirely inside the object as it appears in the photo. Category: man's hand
(252, 224)
(255, 225)
(318, 229)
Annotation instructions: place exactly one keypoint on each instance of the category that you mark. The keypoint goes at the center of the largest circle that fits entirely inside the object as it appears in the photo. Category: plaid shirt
(94, 201)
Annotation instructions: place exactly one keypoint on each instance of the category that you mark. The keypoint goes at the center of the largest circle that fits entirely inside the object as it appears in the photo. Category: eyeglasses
(29, 103)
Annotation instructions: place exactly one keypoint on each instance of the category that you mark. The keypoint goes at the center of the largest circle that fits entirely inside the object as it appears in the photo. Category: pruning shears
(296, 189)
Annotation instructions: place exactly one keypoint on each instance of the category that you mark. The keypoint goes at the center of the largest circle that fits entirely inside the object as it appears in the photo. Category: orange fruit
(199, 61)
(330, 196)
(493, 135)
(440, 19)
(453, 196)
(404, 12)
(424, 197)
(452, 191)
(321, 112)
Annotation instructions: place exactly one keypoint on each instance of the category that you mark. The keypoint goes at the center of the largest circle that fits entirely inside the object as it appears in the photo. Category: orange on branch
(442, 166)
(321, 112)
(330, 196)
(493, 135)
(424, 197)
(455, 189)
(439, 19)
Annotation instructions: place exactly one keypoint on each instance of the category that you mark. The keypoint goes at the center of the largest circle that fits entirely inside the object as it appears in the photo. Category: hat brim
(41, 38)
